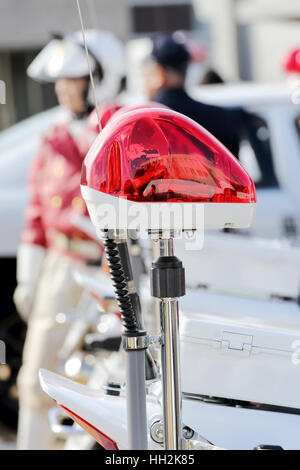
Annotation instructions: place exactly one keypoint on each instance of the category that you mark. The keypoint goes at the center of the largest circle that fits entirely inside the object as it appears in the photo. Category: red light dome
(292, 63)
(148, 105)
(157, 155)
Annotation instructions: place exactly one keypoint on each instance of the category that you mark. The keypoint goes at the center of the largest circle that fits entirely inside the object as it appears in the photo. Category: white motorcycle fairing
(103, 416)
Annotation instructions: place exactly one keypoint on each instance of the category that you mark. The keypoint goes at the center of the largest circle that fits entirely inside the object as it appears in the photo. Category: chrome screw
(157, 432)
(187, 432)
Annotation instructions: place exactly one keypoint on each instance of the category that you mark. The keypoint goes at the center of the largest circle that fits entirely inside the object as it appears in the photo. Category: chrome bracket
(139, 342)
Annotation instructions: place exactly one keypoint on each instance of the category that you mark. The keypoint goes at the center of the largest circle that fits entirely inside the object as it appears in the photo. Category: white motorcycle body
(239, 349)
(212, 366)
(227, 427)
(104, 414)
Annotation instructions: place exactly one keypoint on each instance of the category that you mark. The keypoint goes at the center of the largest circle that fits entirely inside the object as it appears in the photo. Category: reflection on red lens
(157, 155)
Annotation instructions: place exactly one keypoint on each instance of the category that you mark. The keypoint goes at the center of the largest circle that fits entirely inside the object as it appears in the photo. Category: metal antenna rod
(89, 64)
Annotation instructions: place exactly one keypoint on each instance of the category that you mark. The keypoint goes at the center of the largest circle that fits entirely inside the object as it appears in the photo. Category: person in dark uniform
(164, 78)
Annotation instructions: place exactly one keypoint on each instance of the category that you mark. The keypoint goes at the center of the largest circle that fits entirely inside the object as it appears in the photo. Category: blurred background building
(245, 39)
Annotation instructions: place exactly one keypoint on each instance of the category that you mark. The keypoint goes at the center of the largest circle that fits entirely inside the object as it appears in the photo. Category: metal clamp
(139, 342)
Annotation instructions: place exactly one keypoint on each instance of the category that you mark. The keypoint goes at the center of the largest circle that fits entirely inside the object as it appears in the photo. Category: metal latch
(235, 342)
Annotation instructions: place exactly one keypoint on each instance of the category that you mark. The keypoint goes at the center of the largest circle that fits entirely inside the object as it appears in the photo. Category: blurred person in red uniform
(51, 246)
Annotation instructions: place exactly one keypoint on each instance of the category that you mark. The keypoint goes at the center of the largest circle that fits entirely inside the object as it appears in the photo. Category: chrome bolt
(157, 432)
(188, 433)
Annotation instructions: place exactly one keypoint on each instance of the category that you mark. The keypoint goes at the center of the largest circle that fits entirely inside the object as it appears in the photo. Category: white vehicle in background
(273, 158)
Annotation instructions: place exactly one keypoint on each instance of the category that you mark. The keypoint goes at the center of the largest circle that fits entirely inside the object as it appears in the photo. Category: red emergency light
(292, 64)
(155, 155)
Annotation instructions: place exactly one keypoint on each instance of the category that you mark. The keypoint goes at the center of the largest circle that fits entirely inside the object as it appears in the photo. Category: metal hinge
(237, 343)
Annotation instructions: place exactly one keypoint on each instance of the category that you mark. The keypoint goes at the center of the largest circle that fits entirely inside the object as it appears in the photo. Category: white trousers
(56, 292)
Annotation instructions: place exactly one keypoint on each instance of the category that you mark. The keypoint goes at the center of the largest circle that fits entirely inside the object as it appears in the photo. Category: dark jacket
(223, 123)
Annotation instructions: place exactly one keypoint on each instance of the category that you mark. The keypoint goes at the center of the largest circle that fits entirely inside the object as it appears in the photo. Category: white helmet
(66, 58)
